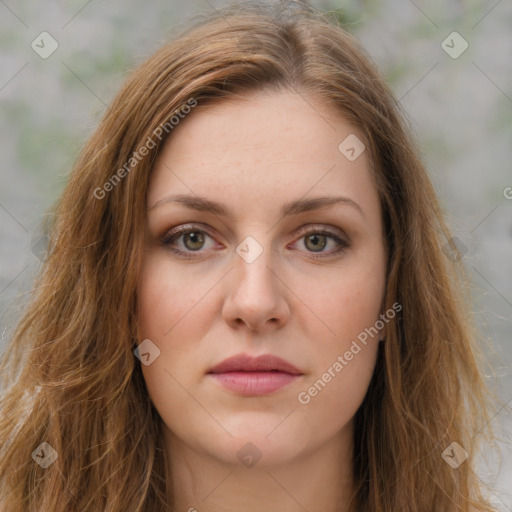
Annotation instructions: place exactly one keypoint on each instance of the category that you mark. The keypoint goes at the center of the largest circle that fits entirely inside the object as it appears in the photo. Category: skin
(254, 155)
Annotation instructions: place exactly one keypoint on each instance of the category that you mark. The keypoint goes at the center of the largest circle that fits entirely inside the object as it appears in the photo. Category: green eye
(192, 240)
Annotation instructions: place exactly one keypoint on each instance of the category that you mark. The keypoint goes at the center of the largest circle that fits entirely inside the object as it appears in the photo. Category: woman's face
(261, 275)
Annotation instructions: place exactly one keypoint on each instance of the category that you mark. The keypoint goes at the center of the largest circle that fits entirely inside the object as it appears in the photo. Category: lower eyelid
(342, 244)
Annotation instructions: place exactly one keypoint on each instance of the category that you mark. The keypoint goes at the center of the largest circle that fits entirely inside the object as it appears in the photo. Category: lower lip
(254, 383)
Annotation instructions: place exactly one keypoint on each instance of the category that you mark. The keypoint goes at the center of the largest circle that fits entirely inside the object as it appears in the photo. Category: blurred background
(448, 62)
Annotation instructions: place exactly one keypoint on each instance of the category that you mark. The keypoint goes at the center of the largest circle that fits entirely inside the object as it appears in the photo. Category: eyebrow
(292, 208)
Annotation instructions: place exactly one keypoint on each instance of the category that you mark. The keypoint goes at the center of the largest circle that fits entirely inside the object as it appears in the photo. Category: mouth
(258, 376)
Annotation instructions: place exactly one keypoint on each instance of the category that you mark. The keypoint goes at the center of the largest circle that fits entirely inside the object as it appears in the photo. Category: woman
(247, 303)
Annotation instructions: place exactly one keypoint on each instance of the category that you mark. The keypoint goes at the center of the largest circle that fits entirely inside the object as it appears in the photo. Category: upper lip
(247, 363)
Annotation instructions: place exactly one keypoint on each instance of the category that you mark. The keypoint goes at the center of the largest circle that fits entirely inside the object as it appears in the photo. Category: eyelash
(176, 233)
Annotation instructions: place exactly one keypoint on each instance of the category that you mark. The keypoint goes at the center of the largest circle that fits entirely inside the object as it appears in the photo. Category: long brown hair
(70, 376)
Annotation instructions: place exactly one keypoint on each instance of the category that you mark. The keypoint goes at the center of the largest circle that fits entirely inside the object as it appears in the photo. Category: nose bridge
(254, 261)
(255, 294)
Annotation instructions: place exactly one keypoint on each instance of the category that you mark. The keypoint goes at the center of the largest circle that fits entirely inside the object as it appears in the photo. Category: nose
(257, 296)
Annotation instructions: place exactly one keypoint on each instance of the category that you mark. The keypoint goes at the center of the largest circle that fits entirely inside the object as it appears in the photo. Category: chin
(257, 445)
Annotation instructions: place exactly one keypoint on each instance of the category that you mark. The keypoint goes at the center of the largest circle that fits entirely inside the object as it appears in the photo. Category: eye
(316, 240)
(193, 240)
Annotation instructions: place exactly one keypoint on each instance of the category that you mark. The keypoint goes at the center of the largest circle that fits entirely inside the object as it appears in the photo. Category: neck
(319, 480)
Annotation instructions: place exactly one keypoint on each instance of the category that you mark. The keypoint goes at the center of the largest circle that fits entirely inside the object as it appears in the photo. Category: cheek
(349, 304)
(167, 300)
(344, 366)
(348, 301)
(164, 297)
(175, 312)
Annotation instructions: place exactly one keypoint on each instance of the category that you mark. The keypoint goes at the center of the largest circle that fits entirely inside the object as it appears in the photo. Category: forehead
(267, 149)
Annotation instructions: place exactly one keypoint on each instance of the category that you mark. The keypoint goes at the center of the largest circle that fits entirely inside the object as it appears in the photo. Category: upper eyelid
(181, 229)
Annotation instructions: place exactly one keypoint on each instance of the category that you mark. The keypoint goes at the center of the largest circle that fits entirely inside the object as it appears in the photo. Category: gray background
(460, 109)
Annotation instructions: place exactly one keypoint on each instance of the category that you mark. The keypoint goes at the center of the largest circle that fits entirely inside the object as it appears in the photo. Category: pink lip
(262, 375)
